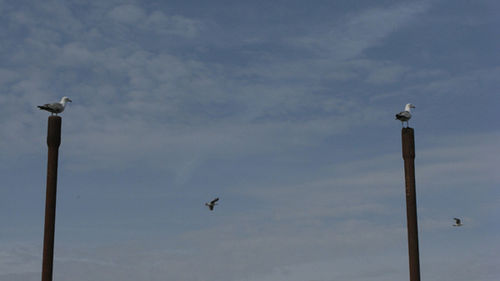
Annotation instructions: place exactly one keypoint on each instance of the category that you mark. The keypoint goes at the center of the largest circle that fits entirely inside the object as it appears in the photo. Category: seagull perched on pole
(212, 204)
(458, 222)
(56, 107)
(404, 116)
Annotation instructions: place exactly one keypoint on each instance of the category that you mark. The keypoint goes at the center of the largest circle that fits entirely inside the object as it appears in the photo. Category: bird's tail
(42, 107)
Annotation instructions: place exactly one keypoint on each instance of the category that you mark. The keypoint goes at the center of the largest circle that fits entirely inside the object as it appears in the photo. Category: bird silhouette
(405, 115)
(458, 222)
(56, 107)
(212, 204)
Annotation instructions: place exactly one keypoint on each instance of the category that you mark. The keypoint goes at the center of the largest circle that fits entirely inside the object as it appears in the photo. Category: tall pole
(408, 143)
(53, 142)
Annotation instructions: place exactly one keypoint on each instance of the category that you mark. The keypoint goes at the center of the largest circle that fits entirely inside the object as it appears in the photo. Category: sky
(283, 109)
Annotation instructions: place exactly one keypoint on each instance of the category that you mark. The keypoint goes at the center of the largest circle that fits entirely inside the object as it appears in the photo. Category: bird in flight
(458, 222)
(56, 107)
(405, 115)
(212, 204)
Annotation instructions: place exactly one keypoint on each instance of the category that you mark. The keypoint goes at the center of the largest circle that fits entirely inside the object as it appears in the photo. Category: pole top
(54, 117)
(54, 131)
(407, 130)
(408, 143)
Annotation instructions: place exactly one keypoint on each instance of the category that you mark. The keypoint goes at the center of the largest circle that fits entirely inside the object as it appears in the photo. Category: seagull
(212, 204)
(404, 116)
(458, 222)
(56, 107)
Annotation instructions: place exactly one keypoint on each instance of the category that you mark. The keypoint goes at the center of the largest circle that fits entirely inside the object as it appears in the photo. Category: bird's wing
(44, 107)
(215, 200)
(52, 107)
(403, 116)
(49, 107)
(457, 220)
(211, 207)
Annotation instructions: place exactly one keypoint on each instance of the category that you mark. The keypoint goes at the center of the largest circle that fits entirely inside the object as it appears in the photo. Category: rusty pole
(408, 143)
(53, 142)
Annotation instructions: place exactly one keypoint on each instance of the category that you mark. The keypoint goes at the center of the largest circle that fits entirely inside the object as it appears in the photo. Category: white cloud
(75, 54)
(387, 74)
(19, 259)
(354, 33)
(128, 14)
(7, 76)
(156, 22)
(466, 83)
(460, 160)
(175, 25)
(139, 104)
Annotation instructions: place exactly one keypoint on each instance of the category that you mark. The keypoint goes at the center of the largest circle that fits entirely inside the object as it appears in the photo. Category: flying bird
(405, 115)
(458, 222)
(56, 107)
(212, 204)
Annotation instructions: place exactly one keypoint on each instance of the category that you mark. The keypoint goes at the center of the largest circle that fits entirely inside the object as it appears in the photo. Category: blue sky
(283, 109)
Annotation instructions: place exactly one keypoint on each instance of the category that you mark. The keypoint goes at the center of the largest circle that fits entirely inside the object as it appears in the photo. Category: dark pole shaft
(408, 142)
(53, 142)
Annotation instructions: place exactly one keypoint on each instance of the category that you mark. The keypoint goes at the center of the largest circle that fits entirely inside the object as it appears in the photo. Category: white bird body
(56, 107)
(212, 204)
(405, 115)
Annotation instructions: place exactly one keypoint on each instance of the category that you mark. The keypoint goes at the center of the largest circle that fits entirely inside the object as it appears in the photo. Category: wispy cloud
(352, 34)
(291, 123)
(154, 22)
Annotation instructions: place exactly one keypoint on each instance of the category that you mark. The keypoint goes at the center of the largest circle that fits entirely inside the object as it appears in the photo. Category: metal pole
(408, 143)
(53, 142)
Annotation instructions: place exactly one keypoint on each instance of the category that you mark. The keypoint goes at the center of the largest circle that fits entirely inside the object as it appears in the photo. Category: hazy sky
(283, 109)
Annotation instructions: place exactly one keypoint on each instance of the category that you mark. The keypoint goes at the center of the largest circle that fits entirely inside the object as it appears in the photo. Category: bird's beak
(70, 100)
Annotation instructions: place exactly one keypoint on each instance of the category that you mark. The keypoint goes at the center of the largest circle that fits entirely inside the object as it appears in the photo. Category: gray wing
(403, 116)
(57, 107)
(52, 107)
